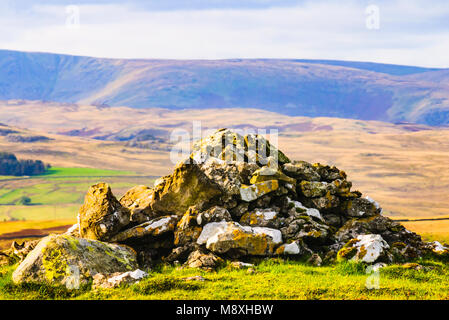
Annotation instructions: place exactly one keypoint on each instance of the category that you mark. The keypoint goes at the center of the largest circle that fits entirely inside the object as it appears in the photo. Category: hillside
(312, 88)
(403, 166)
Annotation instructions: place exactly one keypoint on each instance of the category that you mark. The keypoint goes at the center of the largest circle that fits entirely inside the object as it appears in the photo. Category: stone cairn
(234, 197)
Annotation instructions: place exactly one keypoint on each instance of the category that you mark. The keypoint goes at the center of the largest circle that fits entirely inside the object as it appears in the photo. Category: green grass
(273, 279)
(57, 172)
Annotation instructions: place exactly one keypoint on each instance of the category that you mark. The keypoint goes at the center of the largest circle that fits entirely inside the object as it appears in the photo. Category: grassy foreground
(271, 279)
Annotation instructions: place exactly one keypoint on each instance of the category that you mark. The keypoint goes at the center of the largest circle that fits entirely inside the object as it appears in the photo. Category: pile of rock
(235, 196)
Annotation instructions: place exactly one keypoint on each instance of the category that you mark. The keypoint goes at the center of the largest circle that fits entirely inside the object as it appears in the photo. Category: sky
(407, 32)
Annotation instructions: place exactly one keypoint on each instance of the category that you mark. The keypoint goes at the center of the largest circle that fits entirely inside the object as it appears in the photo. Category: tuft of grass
(162, 284)
(351, 268)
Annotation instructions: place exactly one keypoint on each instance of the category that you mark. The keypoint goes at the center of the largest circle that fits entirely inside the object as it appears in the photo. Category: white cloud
(314, 30)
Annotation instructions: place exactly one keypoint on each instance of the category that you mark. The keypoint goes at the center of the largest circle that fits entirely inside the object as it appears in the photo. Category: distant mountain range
(313, 88)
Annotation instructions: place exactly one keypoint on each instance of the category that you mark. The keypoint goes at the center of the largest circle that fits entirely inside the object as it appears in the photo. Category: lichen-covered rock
(222, 237)
(297, 209)
(101, 216)
(266, 173)
(261, 218)
(190, 226)
(154, 228)
(214, 214)
(200, 259)
(366, 248)
(226, 175)
(438, 247)
(328, 173)
(138, 201)
(257, 190)
(188, 229)
(362, 207)
(299, 226)
(69, 261)
(293, 248)
(326, 203)
(187, 186)
(301, 170)
(315, 189)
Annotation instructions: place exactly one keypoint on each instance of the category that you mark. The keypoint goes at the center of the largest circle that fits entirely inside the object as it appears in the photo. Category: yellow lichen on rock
(254, 191)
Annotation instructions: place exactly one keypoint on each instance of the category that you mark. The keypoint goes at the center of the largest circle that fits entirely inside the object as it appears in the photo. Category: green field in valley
(58, 172)
(58, 193)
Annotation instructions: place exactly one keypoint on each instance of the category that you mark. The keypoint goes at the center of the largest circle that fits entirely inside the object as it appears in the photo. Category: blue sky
(413, 32)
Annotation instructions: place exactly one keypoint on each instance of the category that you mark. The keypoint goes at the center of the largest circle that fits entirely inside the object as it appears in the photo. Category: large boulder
(367, 248)
(362, 207)
(257, 190)
(190, 226)
(153, 228)
(101, 216)
(301, 170)
(187, 186)
(231, 237)
(138, 201)
(69, 261)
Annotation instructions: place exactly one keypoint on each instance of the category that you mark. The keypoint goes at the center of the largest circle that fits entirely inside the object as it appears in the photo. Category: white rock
(160, 223)
(257, 190)
(275, 234)
(240, 264)
(311, 212)
(212, 230)
(438, 247)
(291, 248)
(374, 245)
(136, 275)
(267, 214)
(376, 204)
